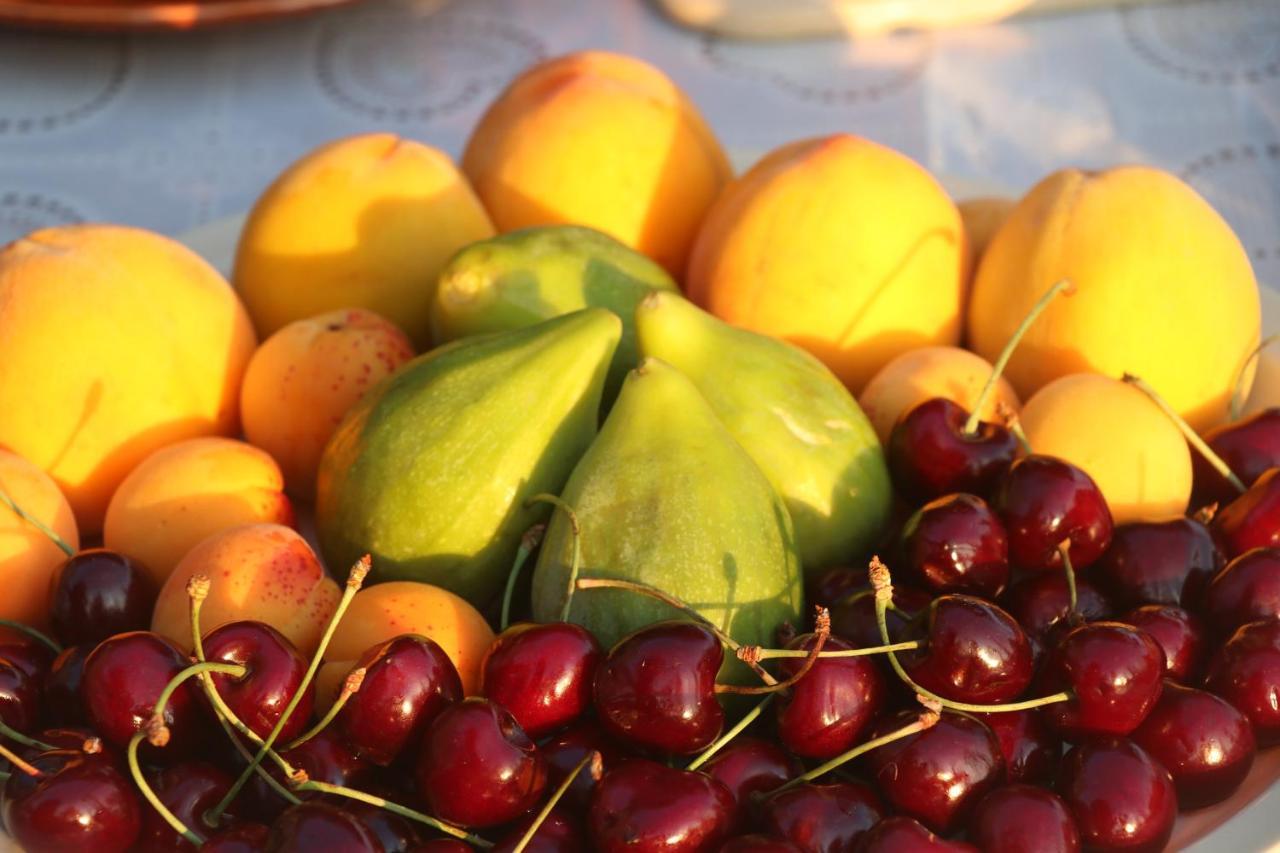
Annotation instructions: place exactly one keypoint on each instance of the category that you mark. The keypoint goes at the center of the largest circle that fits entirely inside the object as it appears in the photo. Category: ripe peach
(603, 140)
(113, 342)
(265, 572)
(305, 377)
(29, 558)
(186, 492)
(921, 374)
(1163, 288)
(839, 245)
(367, 221)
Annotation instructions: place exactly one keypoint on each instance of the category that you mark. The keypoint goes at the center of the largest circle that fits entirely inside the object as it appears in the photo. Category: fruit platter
(597, 492)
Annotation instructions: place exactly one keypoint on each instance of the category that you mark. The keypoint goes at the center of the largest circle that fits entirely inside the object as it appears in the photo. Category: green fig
(792, 415)
(667, 498)
(527, 276)
(431, 471)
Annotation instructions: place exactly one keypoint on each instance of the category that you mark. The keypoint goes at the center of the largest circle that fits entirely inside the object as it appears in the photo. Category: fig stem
(1237, 388)
(975, 417)
(16, 760)
(904, 646)
(48, 531)
(26, 630)
(593, 758)
(722, 741)
(822, 632)
(1192, 436)
(354, 581)
(350, 687)
(528, 542)
(575, 565)
(394, 808)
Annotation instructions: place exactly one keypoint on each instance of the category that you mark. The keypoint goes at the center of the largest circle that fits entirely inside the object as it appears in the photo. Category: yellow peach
(603, 140)
(113, 342)
(922, 374)
(265, 572)
(305, 377)
(1119, 437)
(367, 221)
(839, 245)
(1163, 288)
(186, 492)
(388, 610)
(29, 558)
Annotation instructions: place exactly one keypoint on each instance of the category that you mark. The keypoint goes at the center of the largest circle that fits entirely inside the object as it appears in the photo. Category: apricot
(186, 492)
(982, 217)
(839, 245)
(29, 558)
(378, 613)
(305, 377)
(1163, 288)
(113, 342)
(363, 222)
(1119, 437)
(265, 572)
(603, 140)
(922, 374)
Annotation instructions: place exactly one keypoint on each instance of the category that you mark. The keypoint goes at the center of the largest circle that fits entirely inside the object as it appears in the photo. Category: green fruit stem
(150, 796)
(350, 687)
(16, 760)
(928, 718)
(18, 737)
(575, 566)
(1237, 389)
(36, 523)
(771, 654)
(720, 743)
(394, 808)
(1064, 551)
(1191, 435)
(40, 637)
(528, 543)
(593, 758)
(746, 654)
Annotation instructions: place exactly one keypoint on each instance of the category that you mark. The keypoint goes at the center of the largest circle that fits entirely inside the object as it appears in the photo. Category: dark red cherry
(99, 593)
(443, 845)
(1249, 446)
(973, 652)
(1043, 501)
(1246, 590)
(930, 454)
(324, 758)
(1120, 798)
(542, 674)
(79, 802)
(758, 844)
(19, 698)
(566, 749)
(559, 833)
(854, 619)
(1246, 672)
(1042, 604)
(1023, 819)
(123, 678)
(1030, 750)
(829, 709)
(747, 766)
(656, 688)
(1253, 519)
(822, 818)
(644, 807)
(240, 838)
(394, 833)
(937, 775)
(957, 544)
(189, 790)
(834, 585)
(1158, 562)
(477, 767)
(1180, 634)
(408, 681)
(1113, 673)
(315, 825)
(906, 835)
(275, 671)
(1202, 740)
(34, 659)
(62, 703)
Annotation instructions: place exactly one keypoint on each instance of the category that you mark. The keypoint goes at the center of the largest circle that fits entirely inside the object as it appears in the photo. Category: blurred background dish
(130, 15)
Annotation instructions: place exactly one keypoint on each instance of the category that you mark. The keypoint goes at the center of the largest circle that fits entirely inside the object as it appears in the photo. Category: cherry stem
(746, 654)
(150, 796)
(722, 741)
(928, 718)
(4, 777)
(18, 737)
(575, 565)
(528, 542)
(1064, 551)
(975, 416)
(48, 531)
(354, 580)
(1237, 389)
(394, 808)
(1192, 437)
(770, 654)
(12, 757)
(157, 731)
(1013, 423)
(350, 687)
(39, 636)
(592, 758)
(883, 585)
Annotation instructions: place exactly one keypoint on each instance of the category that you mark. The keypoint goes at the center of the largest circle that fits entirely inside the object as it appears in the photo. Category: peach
(265, 572)
(1163, 288)
(186, 492)
(922, 374)
(602, 140)
(839, 245)
(365, 222)
(305, 377)
(28, 557)
(378, 613)
(113, 342)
